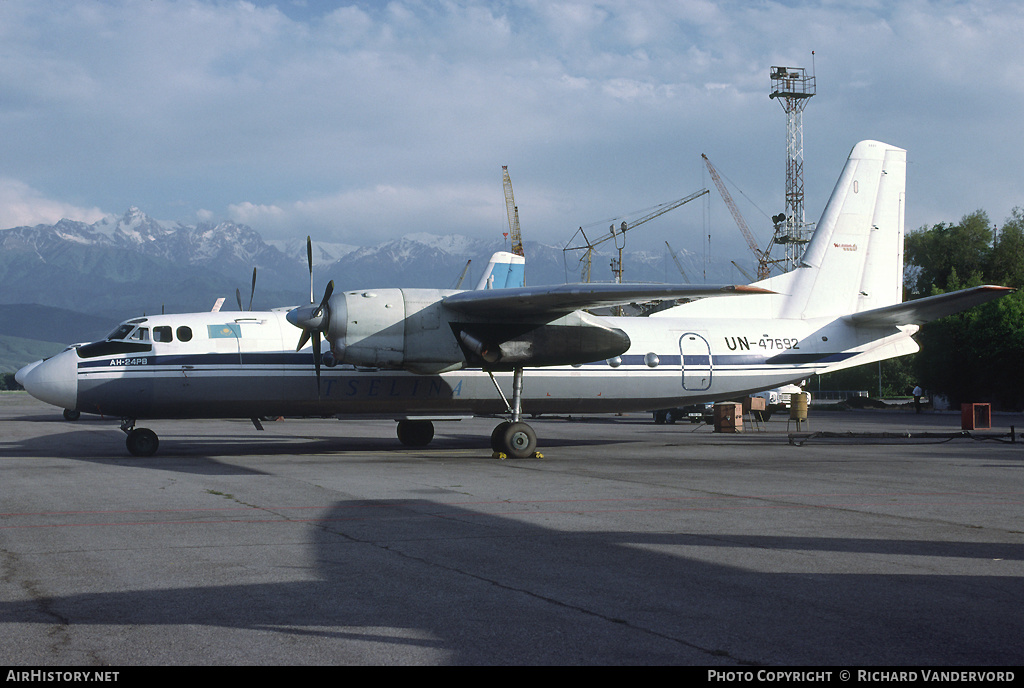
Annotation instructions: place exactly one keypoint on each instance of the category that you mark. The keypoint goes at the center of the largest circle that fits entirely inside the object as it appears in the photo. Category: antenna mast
(793, 88)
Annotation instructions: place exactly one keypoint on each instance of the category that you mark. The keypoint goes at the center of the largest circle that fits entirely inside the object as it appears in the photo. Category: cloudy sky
(361, 121)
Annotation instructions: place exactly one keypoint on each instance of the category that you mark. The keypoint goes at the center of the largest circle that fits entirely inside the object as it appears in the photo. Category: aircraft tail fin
(854, 260)
(504, 270)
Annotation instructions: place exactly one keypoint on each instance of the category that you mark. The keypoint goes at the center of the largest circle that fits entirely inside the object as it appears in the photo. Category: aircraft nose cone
(54, 380)
(22, 373)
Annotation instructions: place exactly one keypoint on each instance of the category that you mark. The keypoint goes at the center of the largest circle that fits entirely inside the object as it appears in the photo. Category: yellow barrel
(798, 406)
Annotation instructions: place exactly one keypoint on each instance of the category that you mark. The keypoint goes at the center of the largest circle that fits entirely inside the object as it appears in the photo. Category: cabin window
(162, 334)
(184, 333)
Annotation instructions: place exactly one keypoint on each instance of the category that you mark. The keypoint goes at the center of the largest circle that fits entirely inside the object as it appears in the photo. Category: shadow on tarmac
(480, 588)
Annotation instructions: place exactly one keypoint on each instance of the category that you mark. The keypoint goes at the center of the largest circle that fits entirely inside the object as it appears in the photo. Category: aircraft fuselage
(224, 364)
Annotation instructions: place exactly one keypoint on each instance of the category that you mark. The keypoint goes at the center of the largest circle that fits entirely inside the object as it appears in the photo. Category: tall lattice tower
(793, 88)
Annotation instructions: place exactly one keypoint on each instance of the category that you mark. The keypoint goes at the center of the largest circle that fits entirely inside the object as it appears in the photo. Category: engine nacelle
(411, 329)
(573, 338)
(393, 328)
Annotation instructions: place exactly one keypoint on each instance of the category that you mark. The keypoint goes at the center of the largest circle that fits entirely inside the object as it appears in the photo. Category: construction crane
(458, 284)
(678, 264)
(619, 232)
(513, 214)
(763, 261)
(747, 275)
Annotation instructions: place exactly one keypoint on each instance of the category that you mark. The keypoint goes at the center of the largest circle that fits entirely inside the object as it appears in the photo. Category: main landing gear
(140, 441)
(514, 438)
(510, 439)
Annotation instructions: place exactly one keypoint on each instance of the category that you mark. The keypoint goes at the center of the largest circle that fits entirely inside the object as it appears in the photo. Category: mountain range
(59, 283)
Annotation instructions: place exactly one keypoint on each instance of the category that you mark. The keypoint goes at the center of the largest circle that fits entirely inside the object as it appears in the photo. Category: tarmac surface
(326, 542)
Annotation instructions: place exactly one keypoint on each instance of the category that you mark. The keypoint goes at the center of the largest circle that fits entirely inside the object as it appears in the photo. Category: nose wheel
(141, 442)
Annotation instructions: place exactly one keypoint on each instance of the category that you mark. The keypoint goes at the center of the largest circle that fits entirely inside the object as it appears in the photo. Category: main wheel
(70, 414)
(670, 416)
(142, 442)
(498, 436)
(415, 433)
(519, 440)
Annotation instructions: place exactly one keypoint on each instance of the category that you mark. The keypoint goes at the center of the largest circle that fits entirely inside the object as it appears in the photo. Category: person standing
(917, 398)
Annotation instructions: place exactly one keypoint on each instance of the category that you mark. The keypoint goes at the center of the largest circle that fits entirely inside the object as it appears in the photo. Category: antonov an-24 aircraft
(426, 354)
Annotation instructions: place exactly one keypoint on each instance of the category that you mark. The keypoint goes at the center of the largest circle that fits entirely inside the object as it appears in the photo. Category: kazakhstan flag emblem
(226, 331)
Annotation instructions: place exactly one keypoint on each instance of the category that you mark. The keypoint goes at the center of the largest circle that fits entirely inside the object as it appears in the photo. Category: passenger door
(695, 359)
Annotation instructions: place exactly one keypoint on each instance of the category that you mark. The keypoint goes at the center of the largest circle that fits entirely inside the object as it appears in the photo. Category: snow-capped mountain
(124, 266)
(324, 253)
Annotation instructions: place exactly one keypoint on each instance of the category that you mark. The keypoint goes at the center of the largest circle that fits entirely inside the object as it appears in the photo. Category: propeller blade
(238, 297)
(253, 292)
(327, 297)
(310, 318)
(316, 359)
(309, 259)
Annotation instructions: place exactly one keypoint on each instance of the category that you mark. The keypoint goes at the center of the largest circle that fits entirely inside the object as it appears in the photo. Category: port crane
(618, 234)
(678, 264)
(763, 259)
(513, 214)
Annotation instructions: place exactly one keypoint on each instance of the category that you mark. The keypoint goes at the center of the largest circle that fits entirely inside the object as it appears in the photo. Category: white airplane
(420, 355)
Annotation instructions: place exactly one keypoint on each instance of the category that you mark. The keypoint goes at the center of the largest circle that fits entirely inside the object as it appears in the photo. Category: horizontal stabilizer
(924, 310)
(565, 298)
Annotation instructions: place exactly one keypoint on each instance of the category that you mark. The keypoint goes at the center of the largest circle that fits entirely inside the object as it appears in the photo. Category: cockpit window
(121, 332)
(109, 348)
(140, 335)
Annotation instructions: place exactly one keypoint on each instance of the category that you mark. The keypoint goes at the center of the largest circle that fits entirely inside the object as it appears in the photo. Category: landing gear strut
(140, 441)
(514, 438)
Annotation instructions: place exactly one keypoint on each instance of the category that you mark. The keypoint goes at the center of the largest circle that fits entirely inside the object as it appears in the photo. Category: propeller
(312, 319)
(238, 294)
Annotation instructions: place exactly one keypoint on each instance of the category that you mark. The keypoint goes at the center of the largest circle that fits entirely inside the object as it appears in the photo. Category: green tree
(936, 254)
(1007, 264)
(974, 356)
(7, 382)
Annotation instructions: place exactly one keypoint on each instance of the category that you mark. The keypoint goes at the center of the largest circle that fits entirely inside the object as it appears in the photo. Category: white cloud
(21, 205)
(279, 114)
(372, 214)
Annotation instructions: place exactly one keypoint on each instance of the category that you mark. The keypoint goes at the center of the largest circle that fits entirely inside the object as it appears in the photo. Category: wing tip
(748, 289)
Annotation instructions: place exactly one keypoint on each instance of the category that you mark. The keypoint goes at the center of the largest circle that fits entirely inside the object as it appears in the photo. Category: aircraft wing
(566, 298)
(930, 308)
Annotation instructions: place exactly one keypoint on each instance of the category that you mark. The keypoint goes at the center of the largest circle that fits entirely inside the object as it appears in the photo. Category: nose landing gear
(141, 442)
